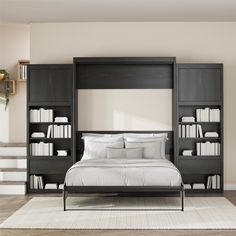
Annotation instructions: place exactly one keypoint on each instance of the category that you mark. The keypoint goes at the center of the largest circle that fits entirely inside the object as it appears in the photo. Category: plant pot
(2, 76)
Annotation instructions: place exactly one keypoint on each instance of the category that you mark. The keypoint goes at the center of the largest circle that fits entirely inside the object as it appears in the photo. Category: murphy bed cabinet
(50, 94)
(198, 90)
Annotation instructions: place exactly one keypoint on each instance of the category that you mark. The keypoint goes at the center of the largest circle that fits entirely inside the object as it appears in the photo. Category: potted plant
(5, 78)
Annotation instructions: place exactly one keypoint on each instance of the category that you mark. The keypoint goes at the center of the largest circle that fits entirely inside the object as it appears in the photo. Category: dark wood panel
(49, 166)
(200, 166)
(124, 73)
(50, 83)
(199, 84)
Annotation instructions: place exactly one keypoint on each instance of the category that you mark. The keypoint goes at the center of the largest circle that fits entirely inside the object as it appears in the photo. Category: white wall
(125, 109)
(15, 45)
(189, 42)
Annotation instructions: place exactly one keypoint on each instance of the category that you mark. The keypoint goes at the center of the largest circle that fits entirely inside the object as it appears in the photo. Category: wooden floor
(9, 204)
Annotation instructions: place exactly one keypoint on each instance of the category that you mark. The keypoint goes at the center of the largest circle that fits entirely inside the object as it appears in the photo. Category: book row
(36, 182)
(213, 182)
(41, 115)
(23, 71)
(208, 149)
(208, 115)
(190, 131)
(59, 131)
(41, 149)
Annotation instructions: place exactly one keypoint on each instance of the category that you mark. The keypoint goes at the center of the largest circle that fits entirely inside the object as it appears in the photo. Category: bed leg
(182, 194)
(64, 198)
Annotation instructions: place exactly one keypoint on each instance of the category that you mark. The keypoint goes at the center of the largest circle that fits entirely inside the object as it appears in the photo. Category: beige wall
(189, 42)
(15, 45)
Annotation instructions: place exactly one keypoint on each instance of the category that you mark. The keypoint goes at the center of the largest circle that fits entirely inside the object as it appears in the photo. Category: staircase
(13, 170)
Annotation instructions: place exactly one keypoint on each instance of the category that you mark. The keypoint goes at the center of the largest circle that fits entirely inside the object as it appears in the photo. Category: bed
(116, 169)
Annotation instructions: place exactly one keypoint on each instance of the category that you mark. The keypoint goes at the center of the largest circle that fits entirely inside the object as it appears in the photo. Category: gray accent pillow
(124, 153)
(153, 148)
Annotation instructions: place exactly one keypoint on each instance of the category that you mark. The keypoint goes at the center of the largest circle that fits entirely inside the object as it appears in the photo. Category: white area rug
(124, 213)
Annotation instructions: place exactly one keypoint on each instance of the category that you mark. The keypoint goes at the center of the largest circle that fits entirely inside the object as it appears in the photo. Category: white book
(187, 186)
(187, 131)
(198, 186)
(198, 115)
(217, 115)
(35, 182)
(61, 131)
(49, 133)
(50, 115)
(65, 131)
(198, 149)
(183, 131)
(51, 186)
(38, 116)
(200, 131)
(50, 149)
(218, 148)
(208, 148)
(209, 182)
(195, 131)
(180, 129)
(214, 182)
(69, 131)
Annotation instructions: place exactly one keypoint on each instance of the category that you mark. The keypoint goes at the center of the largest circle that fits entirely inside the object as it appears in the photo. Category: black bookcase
(50, 87)
(199, 86)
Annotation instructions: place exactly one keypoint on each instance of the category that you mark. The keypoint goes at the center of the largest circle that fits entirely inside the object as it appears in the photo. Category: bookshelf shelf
(48, 157)
(199, 86)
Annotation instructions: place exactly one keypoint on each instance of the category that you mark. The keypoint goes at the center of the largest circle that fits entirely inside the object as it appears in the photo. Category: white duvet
(123, 172)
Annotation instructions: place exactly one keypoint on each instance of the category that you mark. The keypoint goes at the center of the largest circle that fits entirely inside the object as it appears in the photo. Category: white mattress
(123, 172)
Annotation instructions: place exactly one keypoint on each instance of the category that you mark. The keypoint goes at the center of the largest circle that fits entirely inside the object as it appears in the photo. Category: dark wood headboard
(80, 144)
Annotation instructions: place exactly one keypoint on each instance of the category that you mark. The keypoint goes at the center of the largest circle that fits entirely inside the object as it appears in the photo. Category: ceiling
(28, 11)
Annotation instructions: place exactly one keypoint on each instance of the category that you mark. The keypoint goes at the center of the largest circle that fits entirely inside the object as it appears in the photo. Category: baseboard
(230, 187)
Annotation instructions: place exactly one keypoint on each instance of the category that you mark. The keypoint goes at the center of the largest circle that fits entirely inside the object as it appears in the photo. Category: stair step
(12, 187)
(13, 169)
(12, 182)
(13, 157)
(12, 151)
(12, 163)
(12, 144)
(15, 175)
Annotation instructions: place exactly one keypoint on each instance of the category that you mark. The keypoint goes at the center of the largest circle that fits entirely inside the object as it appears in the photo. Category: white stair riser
(13, 176)
(13, 163)
(12, 151)
(13, 189)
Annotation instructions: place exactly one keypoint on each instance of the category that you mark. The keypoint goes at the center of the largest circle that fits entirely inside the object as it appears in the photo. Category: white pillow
(153, 148)
(102, 135)
(127, 153)
(136, 135)
(95, 147)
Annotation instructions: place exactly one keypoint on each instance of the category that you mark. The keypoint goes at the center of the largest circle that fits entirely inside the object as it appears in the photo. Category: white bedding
(123, 172)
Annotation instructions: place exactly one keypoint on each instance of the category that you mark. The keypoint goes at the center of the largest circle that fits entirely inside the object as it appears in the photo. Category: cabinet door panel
(62, 84)
(40, 86)
(199, 84)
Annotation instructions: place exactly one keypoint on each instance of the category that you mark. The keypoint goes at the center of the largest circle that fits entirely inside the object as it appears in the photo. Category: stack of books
(41, 149)
(188, 119)
(41, 115)
(208, 149)
(213, 182)
(59, 131)
(187, 152)
(208, 115)
(36, 182)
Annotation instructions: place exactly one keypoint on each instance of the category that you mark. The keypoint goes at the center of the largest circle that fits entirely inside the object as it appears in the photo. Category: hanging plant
(5, 78)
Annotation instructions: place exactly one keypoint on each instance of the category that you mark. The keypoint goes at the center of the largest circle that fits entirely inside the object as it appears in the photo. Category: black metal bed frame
(123, 189)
